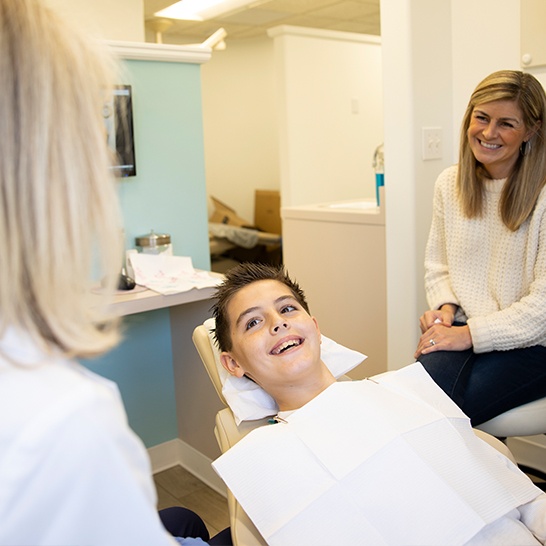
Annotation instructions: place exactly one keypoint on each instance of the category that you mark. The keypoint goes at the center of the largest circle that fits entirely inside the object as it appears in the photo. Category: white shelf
(141, 301)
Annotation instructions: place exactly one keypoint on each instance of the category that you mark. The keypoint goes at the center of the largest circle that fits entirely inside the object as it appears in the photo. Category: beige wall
(240, 123)
(109, 19)
(330, 114)
(301, 112)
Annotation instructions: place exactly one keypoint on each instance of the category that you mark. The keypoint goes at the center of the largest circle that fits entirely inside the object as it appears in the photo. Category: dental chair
(526, 420)
(228, 432)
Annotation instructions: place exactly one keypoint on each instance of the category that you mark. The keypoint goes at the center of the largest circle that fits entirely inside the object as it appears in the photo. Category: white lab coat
(71, 470)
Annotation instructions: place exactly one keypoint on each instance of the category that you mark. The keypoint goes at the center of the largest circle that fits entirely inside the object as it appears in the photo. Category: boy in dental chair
(390, 460)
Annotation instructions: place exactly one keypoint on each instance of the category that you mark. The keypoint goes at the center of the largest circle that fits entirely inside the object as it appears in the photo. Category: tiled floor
(177, 487)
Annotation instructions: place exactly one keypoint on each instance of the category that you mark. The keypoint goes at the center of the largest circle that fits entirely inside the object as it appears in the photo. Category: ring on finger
(432, 342)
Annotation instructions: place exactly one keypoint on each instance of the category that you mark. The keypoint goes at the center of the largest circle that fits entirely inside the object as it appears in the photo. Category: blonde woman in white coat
(71, 470)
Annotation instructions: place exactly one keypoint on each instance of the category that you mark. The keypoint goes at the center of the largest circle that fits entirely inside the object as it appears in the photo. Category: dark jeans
(487, 384)
(181, 522)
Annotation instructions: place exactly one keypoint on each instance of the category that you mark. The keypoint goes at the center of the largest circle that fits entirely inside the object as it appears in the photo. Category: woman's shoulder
(538, 215)
(448, 176)
(541, 201)
(446, 183)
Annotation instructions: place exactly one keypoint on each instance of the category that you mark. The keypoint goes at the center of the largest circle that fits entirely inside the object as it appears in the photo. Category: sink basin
(358, 205)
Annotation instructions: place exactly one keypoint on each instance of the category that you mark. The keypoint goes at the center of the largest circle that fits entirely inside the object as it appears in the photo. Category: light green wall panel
(167, 195)
(142, 368)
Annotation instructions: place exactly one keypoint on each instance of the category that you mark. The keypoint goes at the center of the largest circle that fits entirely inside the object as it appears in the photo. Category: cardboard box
(226, 215)
(267, 211)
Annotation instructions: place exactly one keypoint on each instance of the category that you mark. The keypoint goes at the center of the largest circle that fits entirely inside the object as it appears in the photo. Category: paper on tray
(363, 463)
(169, 274)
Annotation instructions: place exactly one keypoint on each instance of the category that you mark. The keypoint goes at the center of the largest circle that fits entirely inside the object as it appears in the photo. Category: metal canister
(153, 243)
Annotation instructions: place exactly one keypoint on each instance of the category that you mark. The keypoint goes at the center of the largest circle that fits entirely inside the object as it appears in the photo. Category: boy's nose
(279, 325)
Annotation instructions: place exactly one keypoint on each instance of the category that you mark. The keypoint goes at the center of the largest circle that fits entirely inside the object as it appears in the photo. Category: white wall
(330, 113)
(489, 50)
(240, 123)
(434, 53)
(108, 19)
(301, 113)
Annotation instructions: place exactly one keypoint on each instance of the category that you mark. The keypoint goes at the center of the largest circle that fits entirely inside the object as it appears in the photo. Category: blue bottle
(379, 167)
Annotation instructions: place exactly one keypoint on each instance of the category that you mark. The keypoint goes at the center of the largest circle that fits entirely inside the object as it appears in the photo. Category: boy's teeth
(285, 345)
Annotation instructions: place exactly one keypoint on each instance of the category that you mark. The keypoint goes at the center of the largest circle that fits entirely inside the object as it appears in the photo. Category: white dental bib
(385, 462)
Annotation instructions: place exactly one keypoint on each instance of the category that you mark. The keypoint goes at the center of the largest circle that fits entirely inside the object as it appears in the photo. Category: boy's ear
(230, 364)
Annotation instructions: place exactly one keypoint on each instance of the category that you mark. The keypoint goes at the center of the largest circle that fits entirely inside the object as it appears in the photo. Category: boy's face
(274, 340)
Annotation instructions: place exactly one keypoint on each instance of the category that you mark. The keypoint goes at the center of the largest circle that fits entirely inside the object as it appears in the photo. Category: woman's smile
(495, 134)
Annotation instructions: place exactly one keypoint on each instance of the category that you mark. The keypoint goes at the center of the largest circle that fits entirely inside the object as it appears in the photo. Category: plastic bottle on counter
(379, 168)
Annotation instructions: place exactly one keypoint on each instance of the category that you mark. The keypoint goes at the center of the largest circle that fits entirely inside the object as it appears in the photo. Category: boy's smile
(275, 341)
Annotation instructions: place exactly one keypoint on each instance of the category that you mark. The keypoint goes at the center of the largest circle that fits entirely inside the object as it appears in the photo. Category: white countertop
(355, 211)
(141, 299)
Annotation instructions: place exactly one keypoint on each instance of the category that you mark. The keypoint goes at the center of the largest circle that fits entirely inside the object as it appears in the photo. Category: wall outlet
(432, 143)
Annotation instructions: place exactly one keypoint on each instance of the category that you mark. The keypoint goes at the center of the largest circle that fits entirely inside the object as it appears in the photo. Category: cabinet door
(533, 33)
(342, 268)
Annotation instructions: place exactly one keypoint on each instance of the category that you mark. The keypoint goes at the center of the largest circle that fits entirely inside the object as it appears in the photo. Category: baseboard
(177, 452)
(164, 455)
(529, 451)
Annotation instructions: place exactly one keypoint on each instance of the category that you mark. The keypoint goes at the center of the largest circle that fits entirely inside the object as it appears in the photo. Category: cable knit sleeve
(522, 323)
(496, 276)
(437, 275)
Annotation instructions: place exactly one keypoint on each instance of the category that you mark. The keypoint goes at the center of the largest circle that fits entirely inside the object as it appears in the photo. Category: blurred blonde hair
(525, 183)
(60, 227)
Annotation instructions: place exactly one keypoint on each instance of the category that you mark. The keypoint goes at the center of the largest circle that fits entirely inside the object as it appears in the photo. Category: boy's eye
(251, 323)
(288, 308)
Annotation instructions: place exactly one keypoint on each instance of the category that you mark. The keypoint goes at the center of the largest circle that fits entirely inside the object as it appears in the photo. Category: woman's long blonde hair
(521, 191)
(60, 228)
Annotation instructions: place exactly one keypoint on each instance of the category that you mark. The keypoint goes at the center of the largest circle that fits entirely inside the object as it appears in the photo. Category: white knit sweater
(496, 276)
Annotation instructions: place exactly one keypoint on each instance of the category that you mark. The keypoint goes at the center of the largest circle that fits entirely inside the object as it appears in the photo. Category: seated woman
(410, 472)
(483, 339)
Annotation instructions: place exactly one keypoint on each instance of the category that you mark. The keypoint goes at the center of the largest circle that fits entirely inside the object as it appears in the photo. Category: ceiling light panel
(254, 17)
(200, 10)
